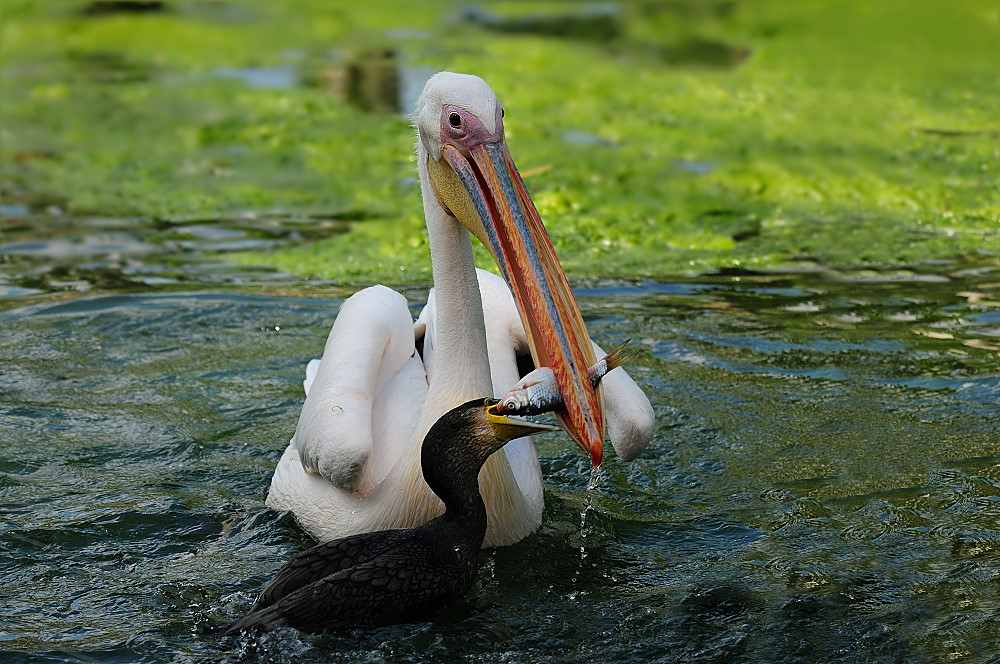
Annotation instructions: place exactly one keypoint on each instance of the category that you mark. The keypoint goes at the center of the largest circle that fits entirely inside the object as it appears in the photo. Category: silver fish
(537, 392)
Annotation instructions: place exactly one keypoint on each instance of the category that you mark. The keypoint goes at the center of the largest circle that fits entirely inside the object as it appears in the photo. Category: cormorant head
(459, 443)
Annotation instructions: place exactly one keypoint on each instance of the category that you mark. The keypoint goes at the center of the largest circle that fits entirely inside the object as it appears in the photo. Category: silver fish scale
(536, 393)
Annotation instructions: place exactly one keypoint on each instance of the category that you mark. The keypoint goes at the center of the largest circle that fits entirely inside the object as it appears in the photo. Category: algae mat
(657, 138)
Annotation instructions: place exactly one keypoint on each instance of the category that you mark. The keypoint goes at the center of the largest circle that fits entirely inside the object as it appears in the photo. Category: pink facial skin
(470, 131)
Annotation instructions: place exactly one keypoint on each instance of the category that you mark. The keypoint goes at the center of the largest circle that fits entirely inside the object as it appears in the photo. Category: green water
(823, 485)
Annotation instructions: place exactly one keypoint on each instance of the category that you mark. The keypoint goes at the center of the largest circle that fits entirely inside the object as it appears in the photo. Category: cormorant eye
(455, 120)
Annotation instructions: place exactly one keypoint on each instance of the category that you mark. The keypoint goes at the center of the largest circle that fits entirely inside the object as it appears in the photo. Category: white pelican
(353, 464)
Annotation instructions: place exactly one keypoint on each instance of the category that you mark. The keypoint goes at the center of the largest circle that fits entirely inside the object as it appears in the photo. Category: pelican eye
(455, 120)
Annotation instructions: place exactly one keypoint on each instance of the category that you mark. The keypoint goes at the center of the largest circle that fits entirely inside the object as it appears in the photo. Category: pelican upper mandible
(353, 464)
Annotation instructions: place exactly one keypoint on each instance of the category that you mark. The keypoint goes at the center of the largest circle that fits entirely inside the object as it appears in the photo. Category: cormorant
(398, 575)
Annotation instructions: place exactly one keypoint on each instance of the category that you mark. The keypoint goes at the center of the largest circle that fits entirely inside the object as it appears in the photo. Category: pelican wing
(367, 389)
(630, 417)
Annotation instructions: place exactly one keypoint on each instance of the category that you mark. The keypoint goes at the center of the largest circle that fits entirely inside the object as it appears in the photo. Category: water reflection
(824, 484)
(368, 80)
(377, 81)
(284, 76)
(605, 24)
(49, 251)
(591, 22)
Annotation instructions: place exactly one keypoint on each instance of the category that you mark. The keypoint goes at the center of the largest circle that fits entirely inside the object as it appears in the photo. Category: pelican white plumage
(353, 464)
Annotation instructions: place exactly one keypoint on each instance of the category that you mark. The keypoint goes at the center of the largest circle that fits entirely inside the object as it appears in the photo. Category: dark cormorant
(393, 576)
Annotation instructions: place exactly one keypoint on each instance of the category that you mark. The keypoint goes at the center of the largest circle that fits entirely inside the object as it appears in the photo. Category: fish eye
(455, 120)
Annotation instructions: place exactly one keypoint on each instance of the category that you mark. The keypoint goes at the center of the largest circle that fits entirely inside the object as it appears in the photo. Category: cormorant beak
(475, 180)
(506, 429)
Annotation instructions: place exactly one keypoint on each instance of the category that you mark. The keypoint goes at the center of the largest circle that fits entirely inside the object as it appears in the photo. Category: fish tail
(619, 355)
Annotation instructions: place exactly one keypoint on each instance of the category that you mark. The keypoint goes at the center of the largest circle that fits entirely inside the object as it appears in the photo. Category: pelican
(353, 464)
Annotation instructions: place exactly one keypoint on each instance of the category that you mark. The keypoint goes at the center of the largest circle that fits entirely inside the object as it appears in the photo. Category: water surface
(824, 482)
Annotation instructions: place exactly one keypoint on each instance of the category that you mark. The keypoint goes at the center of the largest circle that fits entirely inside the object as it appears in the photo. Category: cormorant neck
(451, 457)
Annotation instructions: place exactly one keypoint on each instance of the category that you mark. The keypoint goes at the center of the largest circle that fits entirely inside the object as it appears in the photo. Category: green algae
(832, 134)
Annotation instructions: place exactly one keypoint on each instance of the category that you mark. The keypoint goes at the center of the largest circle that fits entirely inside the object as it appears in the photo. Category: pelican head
(461, 143)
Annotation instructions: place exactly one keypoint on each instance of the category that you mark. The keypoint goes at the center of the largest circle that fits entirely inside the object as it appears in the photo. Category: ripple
(808, 485)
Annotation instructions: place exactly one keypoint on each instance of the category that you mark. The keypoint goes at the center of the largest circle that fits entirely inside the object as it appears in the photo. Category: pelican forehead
(448, 88)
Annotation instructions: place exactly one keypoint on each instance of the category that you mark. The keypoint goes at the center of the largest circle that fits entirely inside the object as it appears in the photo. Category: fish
(538, 393)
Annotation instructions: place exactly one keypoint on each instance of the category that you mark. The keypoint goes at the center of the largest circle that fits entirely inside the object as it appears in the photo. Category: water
(49, 251)
(823, 486)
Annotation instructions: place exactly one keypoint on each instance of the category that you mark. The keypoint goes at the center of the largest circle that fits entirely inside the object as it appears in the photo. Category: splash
(586, 528)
